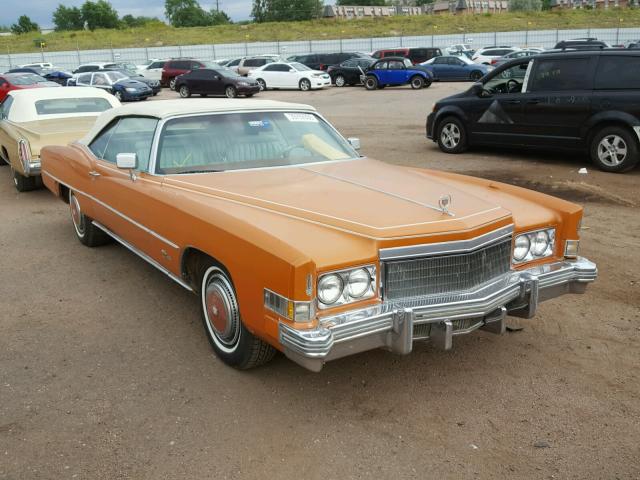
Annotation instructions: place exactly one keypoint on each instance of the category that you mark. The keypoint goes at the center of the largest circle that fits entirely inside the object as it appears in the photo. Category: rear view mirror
(354, 142)
(477, 89)
(127, 161)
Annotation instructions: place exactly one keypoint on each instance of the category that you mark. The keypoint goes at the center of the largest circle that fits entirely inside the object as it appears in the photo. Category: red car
(178, 66)
(19, 81)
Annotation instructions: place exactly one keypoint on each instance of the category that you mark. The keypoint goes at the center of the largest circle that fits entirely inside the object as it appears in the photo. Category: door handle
(514, 102)
(534, 101)
(93, 173)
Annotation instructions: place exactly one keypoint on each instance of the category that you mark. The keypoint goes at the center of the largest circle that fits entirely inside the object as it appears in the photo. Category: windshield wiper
(197, 171)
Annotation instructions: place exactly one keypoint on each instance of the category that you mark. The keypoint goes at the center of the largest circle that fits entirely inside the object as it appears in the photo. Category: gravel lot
(106, 373)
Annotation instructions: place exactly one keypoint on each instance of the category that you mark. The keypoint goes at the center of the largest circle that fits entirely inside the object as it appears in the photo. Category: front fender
(449, 110)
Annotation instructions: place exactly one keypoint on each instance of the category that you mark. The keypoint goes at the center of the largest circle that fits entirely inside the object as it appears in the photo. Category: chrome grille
(444, 274)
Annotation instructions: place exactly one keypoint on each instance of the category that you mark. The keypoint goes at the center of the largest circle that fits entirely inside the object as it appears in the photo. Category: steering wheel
(512, 86)
(286, 153)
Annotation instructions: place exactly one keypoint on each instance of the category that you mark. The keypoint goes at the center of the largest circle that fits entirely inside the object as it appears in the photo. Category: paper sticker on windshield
(301, 117)
(259, 123)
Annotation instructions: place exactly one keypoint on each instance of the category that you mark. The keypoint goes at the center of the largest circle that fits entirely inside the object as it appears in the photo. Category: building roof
(171, 108)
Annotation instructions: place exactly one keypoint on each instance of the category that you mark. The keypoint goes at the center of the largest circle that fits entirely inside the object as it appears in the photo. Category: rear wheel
(262, 84)
(452, 137)
(231, 91)
(305, 85)
(86, 231)
(476, 75)
(22, 183)
(119, 95)
(340, 81)
(614, 149)
(231, 341)
(371, 82)
(184, 91)
(172, 84)
(417, 82)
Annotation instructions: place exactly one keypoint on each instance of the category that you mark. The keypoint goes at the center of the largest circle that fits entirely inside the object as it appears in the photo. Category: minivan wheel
(231, 341)
(231, 91)
(452, 137)
(417, 82)
(371, 83)
(340, 81)
(614, 149)
(185, 92)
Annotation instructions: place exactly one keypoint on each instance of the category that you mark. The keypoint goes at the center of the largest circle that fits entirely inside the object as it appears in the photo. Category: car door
(440, 67)
(122, 198)
(380, 70)
(154, 71)
(272, 74)
(457, 68)
(7, 141)
(557, 102)
(101, 80)
(397, 73)
(213, 82)
(496, 114)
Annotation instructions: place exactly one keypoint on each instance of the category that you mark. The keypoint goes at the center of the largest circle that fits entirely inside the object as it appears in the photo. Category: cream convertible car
(31, 119)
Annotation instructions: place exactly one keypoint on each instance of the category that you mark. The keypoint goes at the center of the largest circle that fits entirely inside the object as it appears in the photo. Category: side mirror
(354, 142)
(477, 89)
(127, 161)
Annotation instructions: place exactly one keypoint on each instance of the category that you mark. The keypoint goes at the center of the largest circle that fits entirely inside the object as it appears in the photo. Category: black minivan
(583, 100)
(321, 61)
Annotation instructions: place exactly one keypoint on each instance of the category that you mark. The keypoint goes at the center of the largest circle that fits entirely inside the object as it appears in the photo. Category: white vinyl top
(23, 108)
(170, 108)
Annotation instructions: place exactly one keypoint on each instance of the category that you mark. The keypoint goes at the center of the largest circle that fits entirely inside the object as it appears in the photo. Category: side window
(618, 73)
(234, 63)
(193, 65)
(560, 74)
(5, 106)
(99, 79)
(84, 79)
(129, 135)
(156, 65)
(2, 82)
(441, 61)
(100, 143)
(381, 66)
(376, 54)
(272, 68)
(395, 65)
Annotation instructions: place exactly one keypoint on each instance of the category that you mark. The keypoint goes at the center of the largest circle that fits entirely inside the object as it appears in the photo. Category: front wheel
(262, 84)
(184, 91)
(172, 84)
(340, 81)
(231, 341)
(417, 82)
(614, 149)
(452, 137)
(371, 82)
(231, 91)
(305, 85)
(86, 231)
(119, 95)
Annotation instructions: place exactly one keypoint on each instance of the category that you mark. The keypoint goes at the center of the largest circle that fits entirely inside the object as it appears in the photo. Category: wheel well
(608, 123)
(192, 261)
(436, 125)
(5, 154)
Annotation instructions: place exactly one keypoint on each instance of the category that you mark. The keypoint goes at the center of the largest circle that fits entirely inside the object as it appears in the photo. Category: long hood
(364, 197)
(59, 131)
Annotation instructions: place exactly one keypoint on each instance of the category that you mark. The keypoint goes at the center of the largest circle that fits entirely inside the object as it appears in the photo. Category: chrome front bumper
(396, 325)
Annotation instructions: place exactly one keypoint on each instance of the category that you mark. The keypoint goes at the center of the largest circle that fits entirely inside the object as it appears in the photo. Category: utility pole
(217, 5)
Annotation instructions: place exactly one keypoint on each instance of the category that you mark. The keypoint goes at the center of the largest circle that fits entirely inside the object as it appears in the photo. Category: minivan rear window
(618, 73)
(560, 74)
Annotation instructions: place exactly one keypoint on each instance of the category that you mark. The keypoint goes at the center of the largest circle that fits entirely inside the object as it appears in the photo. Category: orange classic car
(294, 242)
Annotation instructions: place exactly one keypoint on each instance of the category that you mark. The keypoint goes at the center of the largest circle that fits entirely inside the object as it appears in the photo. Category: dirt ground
(106, 373)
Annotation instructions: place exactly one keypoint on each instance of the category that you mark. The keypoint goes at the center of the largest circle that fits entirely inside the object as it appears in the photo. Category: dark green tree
(419, 3)
(285, 10)
(372, 3)
(218, 17)
(68, 18)
(99, 14)
(129, 21)
(24, 25)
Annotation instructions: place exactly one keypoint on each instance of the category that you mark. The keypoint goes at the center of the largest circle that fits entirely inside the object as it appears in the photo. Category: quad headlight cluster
(534, 245)
(346, 286)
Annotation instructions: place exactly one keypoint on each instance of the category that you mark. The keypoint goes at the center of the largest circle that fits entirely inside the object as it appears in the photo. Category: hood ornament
(444, 202)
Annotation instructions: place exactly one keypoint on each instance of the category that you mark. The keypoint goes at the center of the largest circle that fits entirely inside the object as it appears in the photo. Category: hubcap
(340, 81)
(230, 92)
(76, 215)
(416, 83)
(450, 135)
(263, 86)
(221, 310)
(612, 150)
(304, 85)
(371, 83)
(184, 92)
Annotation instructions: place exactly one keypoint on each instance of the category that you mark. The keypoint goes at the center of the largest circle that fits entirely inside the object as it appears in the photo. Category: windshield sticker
(301, 117)
(259, 123)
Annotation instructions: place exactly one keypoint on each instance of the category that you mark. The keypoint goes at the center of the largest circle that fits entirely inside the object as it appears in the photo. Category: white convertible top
(170, 108)
(23, 108)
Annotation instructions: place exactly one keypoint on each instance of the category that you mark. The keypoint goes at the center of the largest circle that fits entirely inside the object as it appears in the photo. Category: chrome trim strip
(143, 255)
(122, 215)
(445, 248)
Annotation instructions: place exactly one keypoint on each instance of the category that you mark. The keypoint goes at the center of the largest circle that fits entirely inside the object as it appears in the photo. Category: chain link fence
(532, 38)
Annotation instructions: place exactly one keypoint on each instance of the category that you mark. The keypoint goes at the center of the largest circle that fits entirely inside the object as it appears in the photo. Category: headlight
(534, 245)
(346, 286)
(130, 89)
(330, 288)
(243, 84)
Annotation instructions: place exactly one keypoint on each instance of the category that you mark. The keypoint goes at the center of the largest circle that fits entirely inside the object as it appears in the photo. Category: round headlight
(358, 283)
(330, 288)
(521, 248)
(540, 243)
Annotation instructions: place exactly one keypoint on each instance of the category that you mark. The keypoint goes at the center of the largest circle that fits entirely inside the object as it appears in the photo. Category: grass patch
(160, 35)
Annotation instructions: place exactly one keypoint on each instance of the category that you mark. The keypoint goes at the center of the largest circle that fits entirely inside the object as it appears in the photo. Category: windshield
(227, 72)
(60, 106)
(26, 79)
(466, 60)
(300, 67)
(116, 76)
(237, 141)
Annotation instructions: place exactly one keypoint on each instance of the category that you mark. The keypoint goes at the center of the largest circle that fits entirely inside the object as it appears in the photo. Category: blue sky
(40, 10)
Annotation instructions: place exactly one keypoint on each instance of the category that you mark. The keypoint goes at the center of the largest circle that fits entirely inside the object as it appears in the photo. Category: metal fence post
(180, 51)
(557, 35)
(78, 51)
(495, 38)
(371, 44)
(310, 46)
(278, 46)
(401, 37)
(9, 57)
(146, 53)
(113, 58)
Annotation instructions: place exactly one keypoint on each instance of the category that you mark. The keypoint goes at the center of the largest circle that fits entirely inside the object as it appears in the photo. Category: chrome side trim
(143, 255)
(117, 212)
(444, 248)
